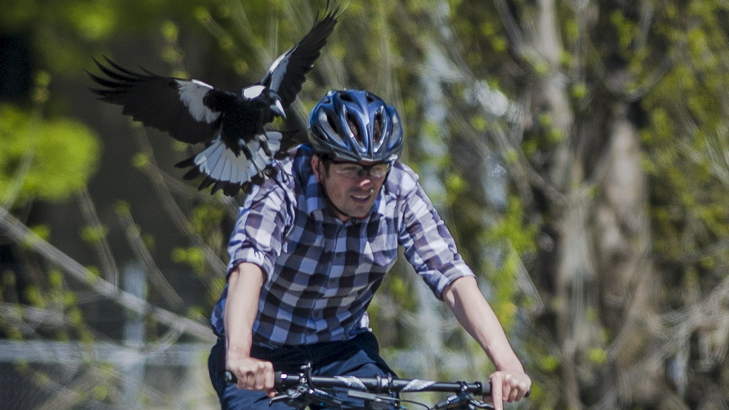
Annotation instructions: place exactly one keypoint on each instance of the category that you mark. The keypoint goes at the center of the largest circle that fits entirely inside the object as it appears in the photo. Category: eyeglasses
(353, 170)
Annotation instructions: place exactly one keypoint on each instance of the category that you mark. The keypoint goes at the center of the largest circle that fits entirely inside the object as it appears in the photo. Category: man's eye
(350, 169)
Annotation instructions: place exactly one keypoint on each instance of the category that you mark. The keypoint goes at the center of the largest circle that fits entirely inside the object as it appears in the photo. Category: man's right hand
(252, 373)
(241, 307)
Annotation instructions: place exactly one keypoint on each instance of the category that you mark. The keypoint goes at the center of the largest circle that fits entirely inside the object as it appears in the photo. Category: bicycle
(303, 389)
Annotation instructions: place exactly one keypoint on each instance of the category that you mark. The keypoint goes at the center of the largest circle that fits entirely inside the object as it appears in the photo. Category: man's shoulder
(289, 169)
(281, 183)
(402, 180)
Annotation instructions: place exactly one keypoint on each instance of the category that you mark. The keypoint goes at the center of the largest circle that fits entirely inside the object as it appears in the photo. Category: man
(311, 246)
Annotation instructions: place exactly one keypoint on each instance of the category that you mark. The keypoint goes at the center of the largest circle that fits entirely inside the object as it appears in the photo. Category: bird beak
(277, 108)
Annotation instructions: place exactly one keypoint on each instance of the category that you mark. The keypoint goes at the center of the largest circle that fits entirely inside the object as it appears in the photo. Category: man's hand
(252, 374)
(508, 387)
(510, 382)
(244, 287)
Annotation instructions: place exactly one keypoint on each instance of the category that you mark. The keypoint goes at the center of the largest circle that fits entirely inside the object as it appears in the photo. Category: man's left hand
(508, 387)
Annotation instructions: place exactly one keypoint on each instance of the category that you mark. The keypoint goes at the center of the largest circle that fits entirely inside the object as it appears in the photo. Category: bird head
(275, 104)
(265, 98)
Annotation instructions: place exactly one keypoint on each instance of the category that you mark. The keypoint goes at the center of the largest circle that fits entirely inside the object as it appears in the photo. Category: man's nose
(364, 181)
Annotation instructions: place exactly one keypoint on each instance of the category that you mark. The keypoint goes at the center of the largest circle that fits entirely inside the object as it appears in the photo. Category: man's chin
(361, 212)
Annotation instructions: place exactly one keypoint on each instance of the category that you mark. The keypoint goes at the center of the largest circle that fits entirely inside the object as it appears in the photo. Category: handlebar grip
(230, 378)
(486, 388)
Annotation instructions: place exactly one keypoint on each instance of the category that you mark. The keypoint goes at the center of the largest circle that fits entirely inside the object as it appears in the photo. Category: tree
(608, 111)
(577, 151)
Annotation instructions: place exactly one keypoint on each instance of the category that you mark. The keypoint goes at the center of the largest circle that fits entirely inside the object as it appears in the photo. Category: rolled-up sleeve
(428, 245)
(260, 231)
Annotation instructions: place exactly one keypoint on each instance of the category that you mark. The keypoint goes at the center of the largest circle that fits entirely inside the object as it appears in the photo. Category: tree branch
(22, 235)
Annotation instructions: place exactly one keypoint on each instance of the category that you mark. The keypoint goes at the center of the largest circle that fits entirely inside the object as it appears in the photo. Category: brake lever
(305, 396)
(325, 398)
(278, 398)
(452, 401)
(458, 401)
(290, 397)
(480, 404)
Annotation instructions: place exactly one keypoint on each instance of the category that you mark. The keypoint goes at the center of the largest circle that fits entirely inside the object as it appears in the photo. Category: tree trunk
(622, 241)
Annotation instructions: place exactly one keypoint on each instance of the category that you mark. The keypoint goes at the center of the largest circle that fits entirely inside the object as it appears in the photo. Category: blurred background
(578, 150)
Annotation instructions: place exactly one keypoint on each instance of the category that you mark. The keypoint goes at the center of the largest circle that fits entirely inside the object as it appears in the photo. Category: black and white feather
(238, 151)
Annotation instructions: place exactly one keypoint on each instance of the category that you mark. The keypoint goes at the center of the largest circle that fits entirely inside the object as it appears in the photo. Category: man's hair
(325, 159)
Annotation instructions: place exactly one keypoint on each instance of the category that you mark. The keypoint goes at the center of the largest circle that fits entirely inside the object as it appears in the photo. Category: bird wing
(184, 108)
(286, 74)
(222, 169)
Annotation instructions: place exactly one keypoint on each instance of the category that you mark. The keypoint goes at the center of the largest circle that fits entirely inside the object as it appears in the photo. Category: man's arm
(241, 308)
(431, 250)
(509, 382)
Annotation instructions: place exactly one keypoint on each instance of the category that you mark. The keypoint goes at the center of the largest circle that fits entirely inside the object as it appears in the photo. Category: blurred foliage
(513, 239)
(45, 159)
(478, 89)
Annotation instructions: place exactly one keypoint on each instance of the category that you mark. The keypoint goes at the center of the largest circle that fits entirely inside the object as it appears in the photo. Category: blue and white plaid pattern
(321, 272)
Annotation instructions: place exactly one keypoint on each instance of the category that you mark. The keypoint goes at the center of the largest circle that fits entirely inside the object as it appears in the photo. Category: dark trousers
(357, 357)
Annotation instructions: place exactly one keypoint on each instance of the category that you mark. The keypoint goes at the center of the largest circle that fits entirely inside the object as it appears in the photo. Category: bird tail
(223, 169)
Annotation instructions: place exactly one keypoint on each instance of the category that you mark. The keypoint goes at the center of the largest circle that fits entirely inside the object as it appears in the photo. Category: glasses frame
(363, 171)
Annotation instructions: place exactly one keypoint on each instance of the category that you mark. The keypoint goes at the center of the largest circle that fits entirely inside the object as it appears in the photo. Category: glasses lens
(379, 170)
(351, 170)
(348, 170)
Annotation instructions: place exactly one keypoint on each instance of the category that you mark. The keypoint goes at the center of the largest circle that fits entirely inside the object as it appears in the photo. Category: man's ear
(315, 162)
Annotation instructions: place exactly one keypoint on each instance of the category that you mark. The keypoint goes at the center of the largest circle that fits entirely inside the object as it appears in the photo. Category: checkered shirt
(321, 273)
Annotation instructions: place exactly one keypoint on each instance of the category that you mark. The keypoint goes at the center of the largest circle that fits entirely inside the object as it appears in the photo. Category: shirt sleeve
(260, 230)
(428, 245)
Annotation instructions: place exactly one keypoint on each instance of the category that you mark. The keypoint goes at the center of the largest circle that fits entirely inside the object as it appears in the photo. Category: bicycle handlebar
(383, 384)
(374, 384)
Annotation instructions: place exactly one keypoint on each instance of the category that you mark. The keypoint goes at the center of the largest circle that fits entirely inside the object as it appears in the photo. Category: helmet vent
(378, 128)
(331, 122)
(352, 124)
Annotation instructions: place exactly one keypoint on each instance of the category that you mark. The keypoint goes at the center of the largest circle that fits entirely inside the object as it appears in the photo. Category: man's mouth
(364, 197)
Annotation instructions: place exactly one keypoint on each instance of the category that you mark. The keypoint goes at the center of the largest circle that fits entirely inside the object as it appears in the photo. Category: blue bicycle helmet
(354, 125)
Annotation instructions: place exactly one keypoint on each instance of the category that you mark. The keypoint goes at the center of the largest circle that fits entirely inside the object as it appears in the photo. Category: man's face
(352, 187)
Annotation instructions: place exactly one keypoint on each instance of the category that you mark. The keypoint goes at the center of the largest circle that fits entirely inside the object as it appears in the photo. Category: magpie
(239, 152)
